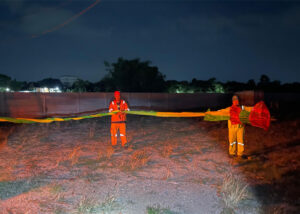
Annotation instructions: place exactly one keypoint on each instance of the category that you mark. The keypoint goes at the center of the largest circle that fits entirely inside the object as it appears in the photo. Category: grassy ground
(173, 165)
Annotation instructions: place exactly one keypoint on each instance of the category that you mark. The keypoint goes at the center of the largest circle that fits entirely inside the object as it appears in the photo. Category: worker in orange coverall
(118, 120)
(236, 128)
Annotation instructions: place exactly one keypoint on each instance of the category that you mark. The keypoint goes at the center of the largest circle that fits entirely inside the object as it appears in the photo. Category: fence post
(44, 105)
(78, 102)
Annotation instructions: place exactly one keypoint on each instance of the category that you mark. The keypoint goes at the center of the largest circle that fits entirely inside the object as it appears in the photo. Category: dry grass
(92, 132)
(74, 155)
(56, 188)
(106, 155)
(86, 205)
(109, 152)
(156, 209)
(6, 175)
(167, 151)
(282, 208)
(109, 204)
(4, 134)
(168, 173)
(136, 161)
(90, 205)
(233, 191)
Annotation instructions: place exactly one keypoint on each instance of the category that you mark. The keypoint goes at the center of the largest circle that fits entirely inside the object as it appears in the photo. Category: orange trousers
(115, 127)
(236, 139)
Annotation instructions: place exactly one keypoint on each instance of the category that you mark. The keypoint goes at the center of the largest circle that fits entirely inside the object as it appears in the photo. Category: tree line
(140, 76)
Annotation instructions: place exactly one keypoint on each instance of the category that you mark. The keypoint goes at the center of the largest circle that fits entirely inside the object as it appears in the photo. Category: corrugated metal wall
(37, 105)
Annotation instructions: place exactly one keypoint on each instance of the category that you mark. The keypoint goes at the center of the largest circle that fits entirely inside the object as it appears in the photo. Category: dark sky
(229, 40)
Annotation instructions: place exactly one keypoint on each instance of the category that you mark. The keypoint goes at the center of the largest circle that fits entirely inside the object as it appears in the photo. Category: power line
(57, 27)
(68, 21)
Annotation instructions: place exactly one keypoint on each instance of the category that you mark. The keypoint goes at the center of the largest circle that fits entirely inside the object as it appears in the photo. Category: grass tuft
(167, 151)
(109, 204)
(92, 132)
(158, 210)
(136, 161)
(87, 205)
(74, 155)
(56, 188)
(233, 191)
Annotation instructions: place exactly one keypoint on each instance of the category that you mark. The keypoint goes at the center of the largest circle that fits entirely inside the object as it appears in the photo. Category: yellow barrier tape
(180, 114)
(145, 113)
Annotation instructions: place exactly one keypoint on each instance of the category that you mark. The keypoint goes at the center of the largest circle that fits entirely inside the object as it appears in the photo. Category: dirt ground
(173, 166)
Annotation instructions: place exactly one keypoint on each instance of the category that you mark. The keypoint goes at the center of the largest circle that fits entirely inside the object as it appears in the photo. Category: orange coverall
(118, 121)
(235, 128)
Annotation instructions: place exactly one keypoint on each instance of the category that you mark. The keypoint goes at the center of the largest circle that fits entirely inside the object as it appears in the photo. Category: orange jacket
(121, 106)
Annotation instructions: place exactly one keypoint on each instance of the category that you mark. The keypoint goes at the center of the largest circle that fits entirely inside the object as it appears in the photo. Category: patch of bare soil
(173, 165)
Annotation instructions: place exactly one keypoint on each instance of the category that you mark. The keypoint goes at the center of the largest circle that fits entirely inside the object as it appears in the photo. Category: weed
(56, 188)
(158, 210)
(136, 161)
(109, 204)
(105, 155)
(167, 151)
(92, 132)
(87, 205)
(58, 161)
(6, 175)
(278, 209)
(233, 191)
(74, 155)
(59, 210)
(168, 173)
(94, 177)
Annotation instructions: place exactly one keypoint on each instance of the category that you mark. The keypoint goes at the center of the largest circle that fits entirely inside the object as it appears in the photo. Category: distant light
(7, 89)
(57, 89)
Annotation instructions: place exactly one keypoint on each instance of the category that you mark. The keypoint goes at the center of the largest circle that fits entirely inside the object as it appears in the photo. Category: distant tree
(251, 84)
(179, 87)
(291, 87)
(50, 83)
(264, 79)
(16, 85)
(274, 86)
(203, 85)
(210, 86)
(4, 80)
(105, 85)
(133, 76)
(31, 86)
(264, 82)
(173, 86)
(234, 86)
(82, 86)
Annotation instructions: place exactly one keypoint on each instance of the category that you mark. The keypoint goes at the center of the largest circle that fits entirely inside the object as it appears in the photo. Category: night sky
(229, 40)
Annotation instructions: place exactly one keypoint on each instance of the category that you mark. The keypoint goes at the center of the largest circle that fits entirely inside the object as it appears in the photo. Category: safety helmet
(117, 93)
